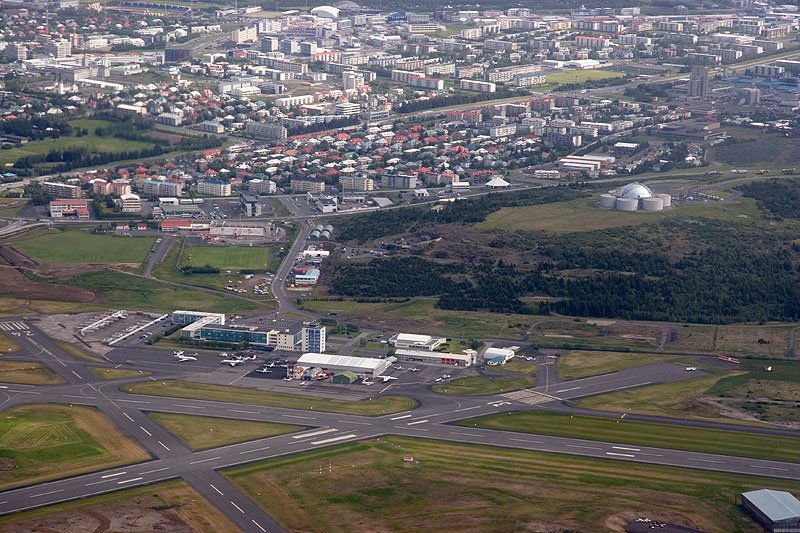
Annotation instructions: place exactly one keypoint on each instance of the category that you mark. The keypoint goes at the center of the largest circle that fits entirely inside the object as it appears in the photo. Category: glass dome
(635, 190)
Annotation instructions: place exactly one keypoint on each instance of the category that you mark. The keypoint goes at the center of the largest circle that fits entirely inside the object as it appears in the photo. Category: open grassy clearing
(519, 367)
(109, 374)
(188, 389)
(226, 257)
(367, 486)
(421, 314)
(583, 215)
(678, 399)
(782, 383)
(580, 364)
(769, 340)
(91, 142)
(204, 432)
(9, 207)
(40, 442)
(580, 76)
(756, 149)
(7, 345)
(169, 506)
(477, 385)
(27, 373)
(71, 246)
(123, 291)
(643, 434)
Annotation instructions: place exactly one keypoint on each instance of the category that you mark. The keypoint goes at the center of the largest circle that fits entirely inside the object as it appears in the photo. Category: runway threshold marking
(334, 439)
(123, 482)
(314, 433)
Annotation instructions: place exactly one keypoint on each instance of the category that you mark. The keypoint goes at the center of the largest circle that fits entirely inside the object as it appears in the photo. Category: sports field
(204, 432)
(40, 442)
(76, 246)
(226, 257)
(188, 389)
(451, 487)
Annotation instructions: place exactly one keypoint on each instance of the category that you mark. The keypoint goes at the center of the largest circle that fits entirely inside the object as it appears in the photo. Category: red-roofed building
(70, 208)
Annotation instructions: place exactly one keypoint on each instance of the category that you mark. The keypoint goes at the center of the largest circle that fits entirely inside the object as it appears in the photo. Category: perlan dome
(635, 190)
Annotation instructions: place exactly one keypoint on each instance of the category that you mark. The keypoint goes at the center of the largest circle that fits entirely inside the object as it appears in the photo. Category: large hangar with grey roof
(778, 511)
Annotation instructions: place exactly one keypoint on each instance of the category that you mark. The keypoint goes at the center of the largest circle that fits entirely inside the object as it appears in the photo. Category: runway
(170, 459)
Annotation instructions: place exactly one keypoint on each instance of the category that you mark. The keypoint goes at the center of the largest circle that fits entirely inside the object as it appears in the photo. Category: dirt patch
(15, 284)
(16, 258)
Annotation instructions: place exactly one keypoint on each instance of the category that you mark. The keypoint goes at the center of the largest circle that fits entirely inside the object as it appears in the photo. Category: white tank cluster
(635, 197)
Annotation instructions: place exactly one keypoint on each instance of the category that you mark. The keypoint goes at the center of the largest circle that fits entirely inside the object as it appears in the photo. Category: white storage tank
(607, 200)
(667, 199)
(627, 204)
(652, 204)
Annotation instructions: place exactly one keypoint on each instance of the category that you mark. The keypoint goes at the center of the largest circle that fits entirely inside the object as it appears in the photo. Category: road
(170, 459)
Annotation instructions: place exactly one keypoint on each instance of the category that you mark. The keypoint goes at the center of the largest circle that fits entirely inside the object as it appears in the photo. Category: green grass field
(644, 434)
(110, 374)
(580, 76)
(188, 389)
(366, 486)
(478, 385)
(580, 364)
(756, 149)
(762, 340)
(226, 258)
(583, 215)
(90, 141)
(124, 291)
(27, 373)
(204, 432)
(40, 442)
(77, 246)
(9, 207)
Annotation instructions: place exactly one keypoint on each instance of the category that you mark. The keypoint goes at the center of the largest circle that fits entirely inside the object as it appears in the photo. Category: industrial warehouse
(778, 511)
(360, 366)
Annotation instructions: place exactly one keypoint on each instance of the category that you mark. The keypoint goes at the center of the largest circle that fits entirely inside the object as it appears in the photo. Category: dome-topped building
(634, 197)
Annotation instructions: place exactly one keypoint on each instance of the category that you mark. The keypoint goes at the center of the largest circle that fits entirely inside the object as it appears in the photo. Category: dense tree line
(36, 128)
(779, 196)
(696, 270)
(394, 278)
(468, 211)
(458, 99)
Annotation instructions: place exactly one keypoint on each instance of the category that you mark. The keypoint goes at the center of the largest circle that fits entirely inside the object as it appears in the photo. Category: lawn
(125, 291)
(91, 142)
(26, 373)
(477, 385)
(781, 383)
(188, 389)
(583, 215)
(41, 442)
(204, 432)
(77, 246)
(644, 434)
(168, 506)
(367, 486)
(109, 374)
(579, 76)
(580, 364)
(518, 366)
(226, 257)
(76, 351)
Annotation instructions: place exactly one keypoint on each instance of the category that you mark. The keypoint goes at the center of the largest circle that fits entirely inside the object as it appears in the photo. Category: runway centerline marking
(620, 454)
(417, 422)
(46, 493)
(400, 417)
(154, 471)
(239, 508)
(627, 449)
(148, 433)
(203, 460)
(114, 475)
(254, 451)
(216, 489)
(259, 526)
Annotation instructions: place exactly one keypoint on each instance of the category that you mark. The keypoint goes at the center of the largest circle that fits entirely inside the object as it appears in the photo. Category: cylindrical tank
(652, 204)
(607, 200)
(667, 199)
(627, 204)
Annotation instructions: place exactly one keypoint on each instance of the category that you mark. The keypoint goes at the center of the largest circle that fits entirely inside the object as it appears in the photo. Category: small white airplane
(184, 358)
(691, 368)
(232, 362)
(264, 370)
(223, 354)
(388, 378)
(365, 382)
(415, 369)
(177, 353)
